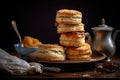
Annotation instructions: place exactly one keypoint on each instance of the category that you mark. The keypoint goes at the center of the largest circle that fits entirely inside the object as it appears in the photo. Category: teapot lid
(102, 26)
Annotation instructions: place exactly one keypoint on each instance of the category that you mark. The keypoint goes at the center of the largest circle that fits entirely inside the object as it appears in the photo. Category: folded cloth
(17, 66)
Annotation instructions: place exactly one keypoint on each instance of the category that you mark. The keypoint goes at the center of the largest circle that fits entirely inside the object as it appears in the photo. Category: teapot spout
(115, 34)
(88, 38)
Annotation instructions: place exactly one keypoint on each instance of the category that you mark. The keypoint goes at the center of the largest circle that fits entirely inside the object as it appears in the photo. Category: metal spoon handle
(16, 30)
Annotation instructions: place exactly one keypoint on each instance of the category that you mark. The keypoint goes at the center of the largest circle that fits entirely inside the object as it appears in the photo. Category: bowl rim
(18, 45)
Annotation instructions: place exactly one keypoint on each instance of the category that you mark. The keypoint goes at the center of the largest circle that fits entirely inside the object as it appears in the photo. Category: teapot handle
(115, 34)
(89, 38)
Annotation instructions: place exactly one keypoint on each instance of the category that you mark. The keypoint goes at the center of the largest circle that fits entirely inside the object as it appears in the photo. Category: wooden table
(94, 73)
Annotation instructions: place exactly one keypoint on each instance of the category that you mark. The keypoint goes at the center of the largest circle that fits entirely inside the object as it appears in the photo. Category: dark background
(36, 18)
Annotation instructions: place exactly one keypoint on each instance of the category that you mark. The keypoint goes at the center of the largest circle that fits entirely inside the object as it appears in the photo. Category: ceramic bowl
(24, 50)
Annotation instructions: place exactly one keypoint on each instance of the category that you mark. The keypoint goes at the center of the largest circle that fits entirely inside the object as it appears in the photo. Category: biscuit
(80, 57)
(67, 16)
(82, 50)
(49, 52)
(72, 39)
(64, 28)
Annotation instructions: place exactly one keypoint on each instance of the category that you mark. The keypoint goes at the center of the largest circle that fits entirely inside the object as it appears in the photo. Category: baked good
(67, 16)
(64, 28)
(29, 41)
(83, 52)
(80, 57)
(49, 52)
(72, 39)
(72, 34)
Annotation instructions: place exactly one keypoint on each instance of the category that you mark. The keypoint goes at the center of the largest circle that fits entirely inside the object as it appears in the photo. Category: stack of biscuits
(72, 34)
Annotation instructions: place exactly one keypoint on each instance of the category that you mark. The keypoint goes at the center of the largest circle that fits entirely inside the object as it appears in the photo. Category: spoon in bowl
(13, 22)
(20, 48)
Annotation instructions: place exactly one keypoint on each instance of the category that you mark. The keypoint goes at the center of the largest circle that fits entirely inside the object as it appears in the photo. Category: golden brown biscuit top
(85, 46)
(69, 12)
(51, 46)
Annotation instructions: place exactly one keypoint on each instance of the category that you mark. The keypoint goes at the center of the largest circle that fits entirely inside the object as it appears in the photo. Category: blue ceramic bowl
(23, 50)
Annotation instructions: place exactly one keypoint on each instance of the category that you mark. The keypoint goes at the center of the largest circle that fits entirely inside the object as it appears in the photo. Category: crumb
(86, 75)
